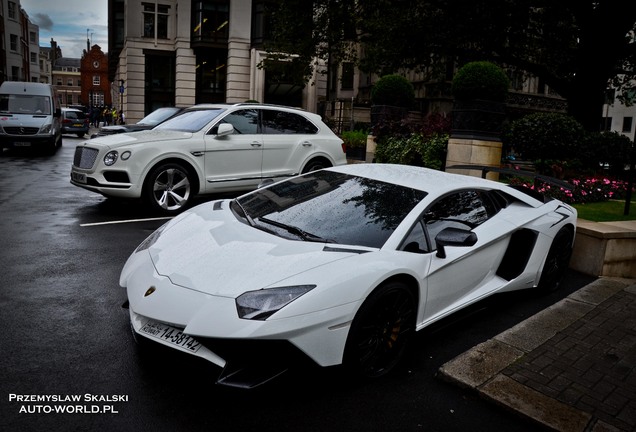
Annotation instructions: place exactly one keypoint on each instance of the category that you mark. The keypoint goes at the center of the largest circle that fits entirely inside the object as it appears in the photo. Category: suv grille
(85, 157)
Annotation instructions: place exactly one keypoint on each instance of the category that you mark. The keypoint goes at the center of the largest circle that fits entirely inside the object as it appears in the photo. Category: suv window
(282, 122)
(244, 121)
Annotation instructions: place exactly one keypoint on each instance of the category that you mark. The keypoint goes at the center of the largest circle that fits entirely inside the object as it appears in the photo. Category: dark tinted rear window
(282, 122)
(337, 207)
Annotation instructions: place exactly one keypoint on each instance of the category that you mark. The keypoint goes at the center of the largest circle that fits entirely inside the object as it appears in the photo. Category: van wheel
(168, 188)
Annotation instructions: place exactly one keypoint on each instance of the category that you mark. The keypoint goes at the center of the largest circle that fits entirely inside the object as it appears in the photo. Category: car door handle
(306, 144)
(197, 153)
(256, 144)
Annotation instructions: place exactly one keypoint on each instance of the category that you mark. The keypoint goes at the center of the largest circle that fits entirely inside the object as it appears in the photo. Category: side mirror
(453, 237)
(224, 129)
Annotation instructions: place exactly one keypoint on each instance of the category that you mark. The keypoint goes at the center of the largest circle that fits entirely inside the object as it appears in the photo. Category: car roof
(244, 104)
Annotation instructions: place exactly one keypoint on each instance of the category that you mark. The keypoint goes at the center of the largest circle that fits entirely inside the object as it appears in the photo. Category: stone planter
(475, 136)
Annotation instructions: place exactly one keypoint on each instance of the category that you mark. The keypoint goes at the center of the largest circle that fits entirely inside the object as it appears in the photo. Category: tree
(311, 36)
(576, 47)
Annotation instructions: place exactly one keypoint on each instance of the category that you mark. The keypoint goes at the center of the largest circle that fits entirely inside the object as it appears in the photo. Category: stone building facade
(185, 52)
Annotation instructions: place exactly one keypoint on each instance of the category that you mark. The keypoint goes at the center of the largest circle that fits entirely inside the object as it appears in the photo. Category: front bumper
(245, 363)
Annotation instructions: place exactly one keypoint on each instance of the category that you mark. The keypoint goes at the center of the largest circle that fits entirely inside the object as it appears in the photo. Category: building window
(33, 38)
(69, 82)
(69, 99)
(34, 58)
(211, 75)
(627, 124)
(58, 81)
(261, 22)
(156, 20)
(14, 42)
(346, 82)
(210, 22)
(12, 10)
(96, 80)
(15, 73)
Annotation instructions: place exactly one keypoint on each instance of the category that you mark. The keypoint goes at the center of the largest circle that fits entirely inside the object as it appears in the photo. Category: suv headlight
(261, 304)
(110, 158)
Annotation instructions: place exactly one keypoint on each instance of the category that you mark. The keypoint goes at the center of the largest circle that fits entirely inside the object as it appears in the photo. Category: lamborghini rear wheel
(557, 260)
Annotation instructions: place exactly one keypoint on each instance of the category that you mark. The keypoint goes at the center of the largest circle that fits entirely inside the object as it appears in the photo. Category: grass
(606, 211)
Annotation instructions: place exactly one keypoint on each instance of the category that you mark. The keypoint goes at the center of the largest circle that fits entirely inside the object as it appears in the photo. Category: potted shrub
(355, 144)
(480, 89)
(391, 98)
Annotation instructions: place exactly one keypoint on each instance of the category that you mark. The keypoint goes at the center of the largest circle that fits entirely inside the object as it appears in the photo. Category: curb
(481, 367)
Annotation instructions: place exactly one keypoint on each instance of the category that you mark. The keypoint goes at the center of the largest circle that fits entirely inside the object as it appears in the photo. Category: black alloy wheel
(380, 331)
(557, 260)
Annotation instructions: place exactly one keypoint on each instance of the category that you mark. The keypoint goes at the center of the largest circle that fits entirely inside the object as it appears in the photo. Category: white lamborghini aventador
(339, 266)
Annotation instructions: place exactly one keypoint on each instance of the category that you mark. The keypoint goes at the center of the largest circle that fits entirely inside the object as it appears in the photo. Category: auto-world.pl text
(87, 403)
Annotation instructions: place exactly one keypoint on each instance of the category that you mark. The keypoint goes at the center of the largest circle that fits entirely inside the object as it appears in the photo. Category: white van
(29, 116)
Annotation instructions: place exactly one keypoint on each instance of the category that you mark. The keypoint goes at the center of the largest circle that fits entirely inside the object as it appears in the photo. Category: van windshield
(25, 104)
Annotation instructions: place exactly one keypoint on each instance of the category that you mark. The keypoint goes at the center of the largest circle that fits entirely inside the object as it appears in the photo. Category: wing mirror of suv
(225, 129)
(453, 237)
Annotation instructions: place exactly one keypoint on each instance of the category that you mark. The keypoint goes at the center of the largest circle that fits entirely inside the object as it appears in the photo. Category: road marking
(125, 221)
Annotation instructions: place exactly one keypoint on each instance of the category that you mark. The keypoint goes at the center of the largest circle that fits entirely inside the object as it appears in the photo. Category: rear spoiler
(521, 173)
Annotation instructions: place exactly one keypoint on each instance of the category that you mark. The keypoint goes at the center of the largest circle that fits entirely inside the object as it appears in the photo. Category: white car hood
(139, 137)
(212, 252)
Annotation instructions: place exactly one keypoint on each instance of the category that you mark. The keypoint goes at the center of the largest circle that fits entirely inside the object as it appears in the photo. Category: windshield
(331, 207)
(25, 104)
(158, 115)
(191, 121)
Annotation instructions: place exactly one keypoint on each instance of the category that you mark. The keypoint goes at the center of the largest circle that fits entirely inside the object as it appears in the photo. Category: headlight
(110, 158)
(261, 304)
(45, 129)
(151, 239)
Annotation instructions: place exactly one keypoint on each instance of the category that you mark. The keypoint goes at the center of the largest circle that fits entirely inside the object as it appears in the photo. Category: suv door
(288, 141)
(233, 162)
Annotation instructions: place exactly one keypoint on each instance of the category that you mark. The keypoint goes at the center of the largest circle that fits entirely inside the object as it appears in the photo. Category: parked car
(75, 121)
(206, 149)
(338, 266)
(156, 117)
(30, 116)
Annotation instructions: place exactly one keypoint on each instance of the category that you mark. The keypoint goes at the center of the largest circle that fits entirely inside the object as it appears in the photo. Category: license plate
(78, 177)
(22, 144)
(171, 335)
(78, 125)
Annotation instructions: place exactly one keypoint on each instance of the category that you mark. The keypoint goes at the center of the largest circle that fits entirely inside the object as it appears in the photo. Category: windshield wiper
(296, 231)
(248, 218)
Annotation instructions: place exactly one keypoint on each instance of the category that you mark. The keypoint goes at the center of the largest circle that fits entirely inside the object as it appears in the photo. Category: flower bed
(593, 189)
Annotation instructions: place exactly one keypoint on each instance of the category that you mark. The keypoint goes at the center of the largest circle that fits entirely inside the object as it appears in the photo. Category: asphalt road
(69, 363)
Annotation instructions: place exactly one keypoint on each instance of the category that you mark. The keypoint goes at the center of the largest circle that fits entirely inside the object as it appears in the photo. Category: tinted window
(336, 207)
(281, 122)
(75, 115)
(465, 210)
(244, 121)
(190, 121)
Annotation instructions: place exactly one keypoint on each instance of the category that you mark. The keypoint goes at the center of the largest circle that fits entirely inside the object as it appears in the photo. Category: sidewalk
(571, 367)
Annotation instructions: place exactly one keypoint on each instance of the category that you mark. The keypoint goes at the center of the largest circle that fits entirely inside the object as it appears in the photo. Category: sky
(70, 23)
